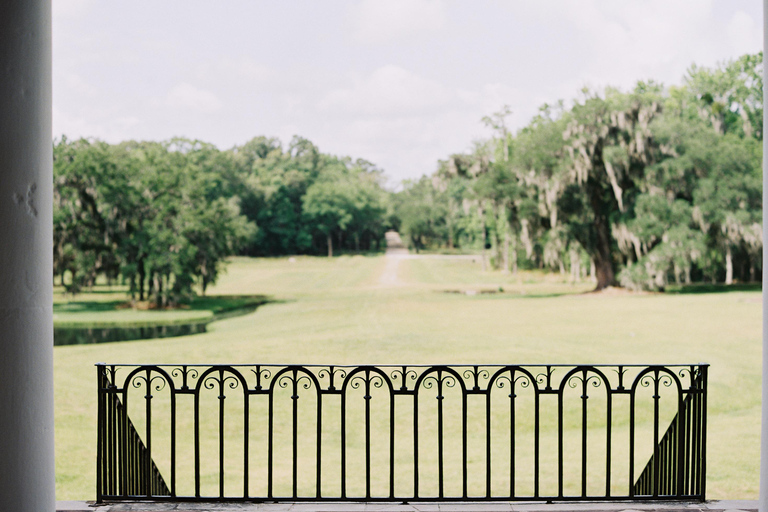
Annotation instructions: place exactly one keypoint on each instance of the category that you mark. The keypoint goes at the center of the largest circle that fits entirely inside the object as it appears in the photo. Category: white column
(764, 422)
(26, 259)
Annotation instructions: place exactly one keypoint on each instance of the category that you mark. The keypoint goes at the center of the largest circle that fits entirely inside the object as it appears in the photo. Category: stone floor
(715, 506)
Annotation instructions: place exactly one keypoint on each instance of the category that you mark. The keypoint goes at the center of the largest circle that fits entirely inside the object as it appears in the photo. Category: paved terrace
(717, 506)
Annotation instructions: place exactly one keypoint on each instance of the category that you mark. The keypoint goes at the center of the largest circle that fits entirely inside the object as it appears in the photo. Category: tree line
(162, 217)
(637, 188)
(643, 188)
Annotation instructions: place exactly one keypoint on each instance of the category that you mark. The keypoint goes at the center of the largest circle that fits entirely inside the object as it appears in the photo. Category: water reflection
(85, 335)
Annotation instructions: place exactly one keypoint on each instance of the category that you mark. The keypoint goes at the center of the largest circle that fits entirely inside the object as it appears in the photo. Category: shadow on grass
(713, 288)
(87, 306)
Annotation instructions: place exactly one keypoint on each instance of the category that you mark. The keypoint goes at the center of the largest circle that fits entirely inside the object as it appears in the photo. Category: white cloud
(743, 33)
(100, 125)
(376, 21)
(389, 90)
(188, 97)
(77, 84)
(69, 8)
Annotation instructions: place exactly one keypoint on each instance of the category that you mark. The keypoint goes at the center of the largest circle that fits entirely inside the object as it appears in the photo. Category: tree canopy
(644, 187)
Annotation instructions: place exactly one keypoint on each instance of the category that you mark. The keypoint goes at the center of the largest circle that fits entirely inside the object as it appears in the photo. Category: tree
(328, 206)
(609, 144)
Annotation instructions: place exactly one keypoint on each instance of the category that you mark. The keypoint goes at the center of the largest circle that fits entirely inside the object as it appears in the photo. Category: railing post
(99, 431)
(703, 475)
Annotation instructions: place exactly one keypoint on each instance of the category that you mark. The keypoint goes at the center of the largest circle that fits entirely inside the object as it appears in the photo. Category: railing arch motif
(508, 430)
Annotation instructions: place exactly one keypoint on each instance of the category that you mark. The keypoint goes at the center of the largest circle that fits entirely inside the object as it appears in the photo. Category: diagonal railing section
(677, 465)
(401, 432)
(125, 467)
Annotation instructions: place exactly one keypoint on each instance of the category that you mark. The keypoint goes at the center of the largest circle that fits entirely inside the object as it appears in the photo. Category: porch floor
(714, 506)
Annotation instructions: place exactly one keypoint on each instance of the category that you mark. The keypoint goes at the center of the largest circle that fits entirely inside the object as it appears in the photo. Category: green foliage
(163, 216)
(151, 214)
(654, 185)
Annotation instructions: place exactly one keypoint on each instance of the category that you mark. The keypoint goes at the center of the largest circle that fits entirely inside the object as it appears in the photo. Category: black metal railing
(677, 464)
(126, 468)
(401, 432)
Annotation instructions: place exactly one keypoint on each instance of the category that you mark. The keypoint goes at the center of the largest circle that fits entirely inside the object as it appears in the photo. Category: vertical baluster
(270, 440)
(440, 472)
(367, 399)
(127, 440)
(681, 439)
(695, 441)
(584, 398)
(343, 443)
(703, 389)
(536, 440)
(488, 441)
(608, 426)
(112, 463)
(147, 468)
(221, 433)
(464, 439)
(319, 446)
(391, 441)
(197, 438)
(632, 443)
(512, 397)
(173, 438)
(656, 433)
(246, 445)
(415, 442)
(560, 442)
(295, 430)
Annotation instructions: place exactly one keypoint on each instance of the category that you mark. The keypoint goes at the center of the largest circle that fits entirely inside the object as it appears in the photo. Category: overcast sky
(401, 83)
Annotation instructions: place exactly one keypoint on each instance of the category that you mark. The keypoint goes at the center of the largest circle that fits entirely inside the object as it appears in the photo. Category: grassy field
(350, 310)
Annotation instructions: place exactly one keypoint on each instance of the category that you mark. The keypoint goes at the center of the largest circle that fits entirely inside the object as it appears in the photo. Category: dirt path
(397, 252)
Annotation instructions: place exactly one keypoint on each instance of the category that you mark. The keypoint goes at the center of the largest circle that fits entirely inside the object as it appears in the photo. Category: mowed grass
(339, 311)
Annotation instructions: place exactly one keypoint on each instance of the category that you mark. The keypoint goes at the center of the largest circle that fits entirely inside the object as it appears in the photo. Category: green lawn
(340, 311)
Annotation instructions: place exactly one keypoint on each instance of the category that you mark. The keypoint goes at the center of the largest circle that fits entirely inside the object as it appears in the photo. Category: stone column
(764, 422)
(26, 256)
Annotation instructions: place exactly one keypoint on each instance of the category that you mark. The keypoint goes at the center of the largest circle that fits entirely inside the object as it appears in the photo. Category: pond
(95, 334)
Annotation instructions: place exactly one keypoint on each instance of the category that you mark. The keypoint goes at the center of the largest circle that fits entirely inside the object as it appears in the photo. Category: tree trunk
(601, 250)
(575, 266)
(496, 238)
(142, 277)
(484, 256)
(728, 265)
(485, 236)
(329, 240)
(505, 270)
(159, 288)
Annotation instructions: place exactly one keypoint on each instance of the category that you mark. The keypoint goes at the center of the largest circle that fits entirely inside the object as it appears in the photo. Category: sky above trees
(400, 83)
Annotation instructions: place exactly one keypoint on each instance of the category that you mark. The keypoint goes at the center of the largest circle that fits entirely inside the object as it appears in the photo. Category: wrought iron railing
(401, 432)
(677, 464)
(127, 468)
